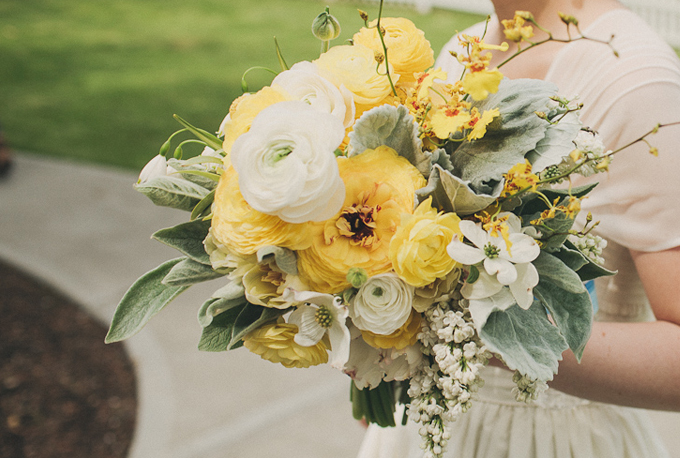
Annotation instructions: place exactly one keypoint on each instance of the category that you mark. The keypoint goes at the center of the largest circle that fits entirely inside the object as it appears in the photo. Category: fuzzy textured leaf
(228, 297)
(563, 293)
(393, 127)
(509, 137)
(452, 194)
(591, 270)
(173, 192)
(525, 340)
(216, 336)
(143, 300)
(190, 272)
(557, 143)
(188, 238)
(285, 259)
(251, 318)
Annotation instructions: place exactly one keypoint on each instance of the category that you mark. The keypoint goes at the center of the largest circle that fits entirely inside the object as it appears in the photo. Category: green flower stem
(382, 41)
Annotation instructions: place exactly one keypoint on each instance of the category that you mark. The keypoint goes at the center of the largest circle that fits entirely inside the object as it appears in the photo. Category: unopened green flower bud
(178, 153)
(363, 15)
(325, 26)
(357, 276)
(164, 149)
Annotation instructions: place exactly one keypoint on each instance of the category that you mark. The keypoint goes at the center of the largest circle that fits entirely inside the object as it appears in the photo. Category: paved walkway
(85, 230)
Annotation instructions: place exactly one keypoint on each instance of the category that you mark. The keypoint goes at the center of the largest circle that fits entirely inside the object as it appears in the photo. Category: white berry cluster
(527, 389)
(590, 245)
(443, 387)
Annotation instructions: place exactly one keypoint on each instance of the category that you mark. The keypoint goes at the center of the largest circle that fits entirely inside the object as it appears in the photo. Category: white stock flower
(318, 314)
(303, 82)
(286, 163)
(382, 304)
(506, 260)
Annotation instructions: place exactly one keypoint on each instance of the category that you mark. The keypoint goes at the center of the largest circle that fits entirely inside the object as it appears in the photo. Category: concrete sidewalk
(84, 230)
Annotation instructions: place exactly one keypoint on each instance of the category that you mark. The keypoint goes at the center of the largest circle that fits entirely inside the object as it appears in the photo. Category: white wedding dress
(637, 202)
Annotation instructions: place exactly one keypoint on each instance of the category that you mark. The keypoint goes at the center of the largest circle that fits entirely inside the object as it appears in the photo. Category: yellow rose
(245, 230)
(403, 337)
(379, 187)
(245, 108)
(407, 49)
(355, 67)
(274, 342)
(418, 248)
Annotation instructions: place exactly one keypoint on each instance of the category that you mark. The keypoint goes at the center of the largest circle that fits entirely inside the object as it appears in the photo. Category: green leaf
(251, 318)
(533, 205)
(573, 259)
(188, 238)
(203, 205)
(554, 231)
(393, 127)
(227, 297)
(451, 194)
(285, 259)
(190, 272)
(216, 336)
(173, 192)
(144, 299)
(591, 270)
(562, 292)
(279, 55)
(557, 143)
(525, 340)
(210, 139)
(509, 137)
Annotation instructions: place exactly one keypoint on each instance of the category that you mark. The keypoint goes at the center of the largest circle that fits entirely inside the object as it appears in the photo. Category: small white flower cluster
(443, 387)
(592, 147)
(527, 389)
(590, 245)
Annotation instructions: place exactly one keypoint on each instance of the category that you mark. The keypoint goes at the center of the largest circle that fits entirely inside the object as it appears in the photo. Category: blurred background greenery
(98, 81)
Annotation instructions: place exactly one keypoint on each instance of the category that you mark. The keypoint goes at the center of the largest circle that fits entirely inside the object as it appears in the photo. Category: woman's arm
(634, 364)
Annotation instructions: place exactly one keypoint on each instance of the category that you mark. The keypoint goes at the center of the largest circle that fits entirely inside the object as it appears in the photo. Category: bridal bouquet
(370, 212)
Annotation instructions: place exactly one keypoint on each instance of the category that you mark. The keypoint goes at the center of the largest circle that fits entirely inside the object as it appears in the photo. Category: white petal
(309, 331)
(462, 253)
(485, 286)
(522, 288)
(524, 249)
(311, 297)
(474, 233)
(340, 340)
(501, 268)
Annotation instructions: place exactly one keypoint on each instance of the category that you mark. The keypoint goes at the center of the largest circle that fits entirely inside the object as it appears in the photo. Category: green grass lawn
(98, 81)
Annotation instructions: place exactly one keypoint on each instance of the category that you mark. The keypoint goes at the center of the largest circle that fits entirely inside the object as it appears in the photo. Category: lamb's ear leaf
(143, 300)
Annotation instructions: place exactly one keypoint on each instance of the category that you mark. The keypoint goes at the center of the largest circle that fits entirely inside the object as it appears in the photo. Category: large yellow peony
(244, 110)
(418, 248)
(380, 186)
(407, 48)
(355, 68)
(274, 342)
(244, 229)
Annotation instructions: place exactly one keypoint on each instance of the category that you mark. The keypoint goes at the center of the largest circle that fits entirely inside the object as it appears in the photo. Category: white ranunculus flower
(318, 314)
(506, 260)
(303, 82)
(382, 304)
(286, 163)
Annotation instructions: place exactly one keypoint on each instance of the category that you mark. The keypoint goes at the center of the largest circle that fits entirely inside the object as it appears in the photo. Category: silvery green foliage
(525, 340)
(173, 191)
(451, 194)
(557, 143)
(284, 258)
(513, 134)
(392, 127)
(143, 300)
(188, 238)
(229, 296)
(190, 272)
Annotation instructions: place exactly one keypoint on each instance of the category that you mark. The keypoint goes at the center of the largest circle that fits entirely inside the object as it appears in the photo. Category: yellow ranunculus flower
(418, 248)
(355, 67)
(480, 84)
(407, 48)
(244, 229)
(403, 337)
(274, 342)
(244, 109)
(380, 186)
